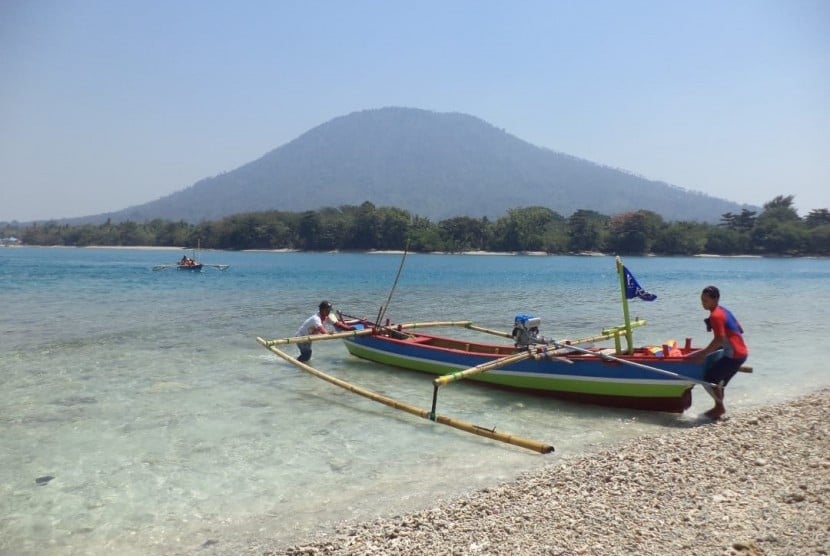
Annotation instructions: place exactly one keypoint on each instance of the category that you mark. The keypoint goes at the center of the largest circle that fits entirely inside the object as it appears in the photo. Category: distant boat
(190, 264)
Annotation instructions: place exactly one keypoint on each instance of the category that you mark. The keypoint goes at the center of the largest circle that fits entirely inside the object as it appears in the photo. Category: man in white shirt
(314, 325)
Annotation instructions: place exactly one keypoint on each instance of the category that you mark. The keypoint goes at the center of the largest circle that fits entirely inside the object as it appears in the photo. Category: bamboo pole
(414, 410)
(437, 323)
(483, 368)
(318, 337)
(426, 324)
(604, 336)
(639, 365)
(607, 333)
(489, 331)
(627, 319)
(383, 309)
(362, 332)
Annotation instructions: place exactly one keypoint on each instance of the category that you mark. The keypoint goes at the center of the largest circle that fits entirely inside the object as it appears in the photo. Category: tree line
(777, 230)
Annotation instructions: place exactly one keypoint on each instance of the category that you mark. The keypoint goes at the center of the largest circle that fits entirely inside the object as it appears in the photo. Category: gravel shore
(755, 483)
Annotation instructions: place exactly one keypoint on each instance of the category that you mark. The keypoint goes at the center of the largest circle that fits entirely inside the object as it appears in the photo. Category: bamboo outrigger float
(403, 406)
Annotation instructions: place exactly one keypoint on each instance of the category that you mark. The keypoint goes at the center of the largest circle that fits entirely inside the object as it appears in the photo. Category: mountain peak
(436, 165)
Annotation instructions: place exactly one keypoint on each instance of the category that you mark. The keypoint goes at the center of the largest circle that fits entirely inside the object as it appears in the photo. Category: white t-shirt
(313, 324)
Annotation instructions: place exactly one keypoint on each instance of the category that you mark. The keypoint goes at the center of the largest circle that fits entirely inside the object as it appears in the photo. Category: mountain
(437, 165)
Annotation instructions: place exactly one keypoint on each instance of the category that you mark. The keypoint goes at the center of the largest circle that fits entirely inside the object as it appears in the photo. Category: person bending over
(315, 324)
(728, 336)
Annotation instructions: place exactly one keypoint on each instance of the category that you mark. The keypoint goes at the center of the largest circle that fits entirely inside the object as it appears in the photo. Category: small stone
(43, 480)
(792, 498)
(747, 549)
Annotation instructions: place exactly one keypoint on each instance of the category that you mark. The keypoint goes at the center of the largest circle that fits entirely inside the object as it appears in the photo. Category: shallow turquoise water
(165, 425)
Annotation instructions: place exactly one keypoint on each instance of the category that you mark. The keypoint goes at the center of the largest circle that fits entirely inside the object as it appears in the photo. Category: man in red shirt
(728, 337)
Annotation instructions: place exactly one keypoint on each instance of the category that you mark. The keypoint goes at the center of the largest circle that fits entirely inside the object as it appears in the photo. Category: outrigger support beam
(423, 413)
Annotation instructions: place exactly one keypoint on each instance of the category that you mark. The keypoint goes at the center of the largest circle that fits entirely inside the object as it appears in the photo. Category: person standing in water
(315, 324)
(728, 336)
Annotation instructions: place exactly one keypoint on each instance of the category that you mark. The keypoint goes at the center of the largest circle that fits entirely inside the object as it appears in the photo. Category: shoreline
(756, 483)
(400, 252)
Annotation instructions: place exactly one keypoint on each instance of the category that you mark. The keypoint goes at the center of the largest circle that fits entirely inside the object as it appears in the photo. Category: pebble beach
(753, 483)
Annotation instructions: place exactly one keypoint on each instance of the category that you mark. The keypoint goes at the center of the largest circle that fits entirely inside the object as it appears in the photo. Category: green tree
(394, 228)
(464, 233)
(742, 222)
(680, 238)
(529, 229)
(587, 230)
(817, 241)
(778, 229)
(365, 227)
(309, 229)
(818, 217)
(425, 236)
(722, 241)
(631, 233)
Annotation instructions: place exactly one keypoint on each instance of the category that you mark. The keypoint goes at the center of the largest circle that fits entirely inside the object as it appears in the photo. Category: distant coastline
(475, 253)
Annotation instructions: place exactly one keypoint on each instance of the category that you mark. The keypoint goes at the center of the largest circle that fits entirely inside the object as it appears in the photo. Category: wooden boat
(190, 264)
(196, 267)
(646, 378)
(657, 378)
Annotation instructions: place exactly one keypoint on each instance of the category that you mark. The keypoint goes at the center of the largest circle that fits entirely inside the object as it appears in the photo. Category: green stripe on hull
(555, 383)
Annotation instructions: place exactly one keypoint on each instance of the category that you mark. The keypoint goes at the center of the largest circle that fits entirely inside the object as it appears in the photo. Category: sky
(106, 105)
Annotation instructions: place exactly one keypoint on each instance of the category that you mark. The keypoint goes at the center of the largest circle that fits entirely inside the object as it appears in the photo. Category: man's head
(325, 308)
(709, 297)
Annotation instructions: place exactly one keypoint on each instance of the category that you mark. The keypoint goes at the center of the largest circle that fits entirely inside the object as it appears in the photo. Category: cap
(325, 305)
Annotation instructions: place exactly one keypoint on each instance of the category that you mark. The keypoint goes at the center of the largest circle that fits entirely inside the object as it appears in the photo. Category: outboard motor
(526, 330)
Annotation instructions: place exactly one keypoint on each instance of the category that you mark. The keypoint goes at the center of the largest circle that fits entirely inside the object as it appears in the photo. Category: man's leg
(720, 373)
(305, 352)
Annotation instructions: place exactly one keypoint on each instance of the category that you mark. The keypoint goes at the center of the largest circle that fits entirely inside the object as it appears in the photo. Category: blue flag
(633, 288)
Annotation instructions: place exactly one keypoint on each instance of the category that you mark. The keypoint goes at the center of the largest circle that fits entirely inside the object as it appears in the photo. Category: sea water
(167, 429)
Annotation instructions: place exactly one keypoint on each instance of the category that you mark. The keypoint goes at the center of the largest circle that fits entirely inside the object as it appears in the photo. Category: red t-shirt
(724, 323)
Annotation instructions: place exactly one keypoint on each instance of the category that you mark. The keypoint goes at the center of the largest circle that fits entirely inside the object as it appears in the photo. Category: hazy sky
(107, 104)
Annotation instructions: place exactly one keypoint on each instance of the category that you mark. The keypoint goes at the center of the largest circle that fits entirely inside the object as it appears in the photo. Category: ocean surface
(166, 428)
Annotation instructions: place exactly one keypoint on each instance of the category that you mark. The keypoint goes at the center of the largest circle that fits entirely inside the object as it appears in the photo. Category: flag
(633, 288)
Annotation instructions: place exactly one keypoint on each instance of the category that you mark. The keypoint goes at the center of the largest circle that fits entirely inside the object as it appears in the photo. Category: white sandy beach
(756, 483)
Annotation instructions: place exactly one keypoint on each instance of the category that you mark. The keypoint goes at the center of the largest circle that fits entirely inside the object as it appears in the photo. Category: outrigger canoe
(657, 378)
(190, 264)
(195, 267)
(647, 378)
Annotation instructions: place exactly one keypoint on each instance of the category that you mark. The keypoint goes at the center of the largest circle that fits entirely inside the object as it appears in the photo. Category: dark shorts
(305, 352)
(723, 370)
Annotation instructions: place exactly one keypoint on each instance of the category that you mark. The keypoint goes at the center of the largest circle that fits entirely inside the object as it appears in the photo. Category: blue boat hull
(575, 376)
